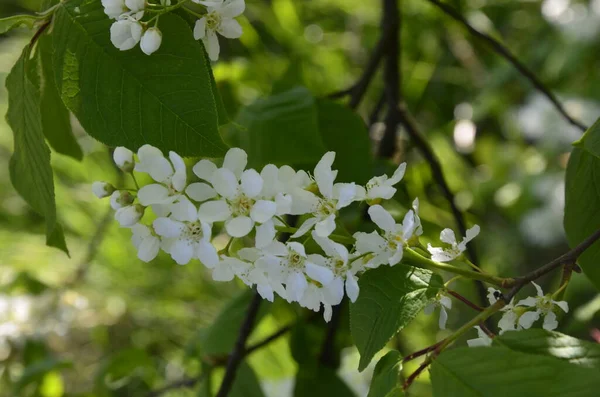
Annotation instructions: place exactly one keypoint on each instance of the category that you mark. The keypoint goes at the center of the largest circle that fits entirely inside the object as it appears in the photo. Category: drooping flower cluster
(178, 217)
(128, 29)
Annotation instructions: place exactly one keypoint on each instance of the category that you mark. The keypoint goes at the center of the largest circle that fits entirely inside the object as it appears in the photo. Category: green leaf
(117, 368)
(344, 132)
(36, 371)
(500, 372)
(552, 344)
(222, 334)
(582, 208)
(385, 376)
(590, 141)
(281, 129)
(7, 24)
(56, 123)
(29, 167)
(390, 297)
(246, 383)
(322, 382)
(125, 98)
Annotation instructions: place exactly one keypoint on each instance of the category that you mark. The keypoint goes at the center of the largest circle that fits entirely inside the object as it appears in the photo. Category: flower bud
(125, 34)
(151, 41)
(123, 158)
(102, 189)
(114, 8)
(120, 199)
(130, 215)
(135, 5)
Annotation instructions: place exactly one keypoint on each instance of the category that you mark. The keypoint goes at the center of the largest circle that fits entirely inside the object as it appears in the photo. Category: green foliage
(123, 99)
(552, 344)
(390, 298)
(117, 368)
(246, 383)
(15, 21)
(35, 372)
(582, 201)
(321, 382)
(590, 141)
(30, 170)
(497, 371)
(385, 376)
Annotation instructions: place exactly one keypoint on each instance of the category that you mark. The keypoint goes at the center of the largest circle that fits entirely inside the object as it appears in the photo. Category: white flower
(508, 322)
(135, 5)
(187, 237)
(544, 306)
(444, 302)
(482, 340)
(120, 199)
(337, 262)
(125, 34)
(146, 243)
(114, 8)
(323, 209)
(151, 41)
(170, 175)
(220, 18)
(239, 206)
(123, 158)
(382, 187)
(388, 248)
(312, 299)
(129, 215)
(102, 189)
(456, 249)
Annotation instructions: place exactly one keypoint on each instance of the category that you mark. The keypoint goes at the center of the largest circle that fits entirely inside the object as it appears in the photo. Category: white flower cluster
(128, 29)
(248, 203)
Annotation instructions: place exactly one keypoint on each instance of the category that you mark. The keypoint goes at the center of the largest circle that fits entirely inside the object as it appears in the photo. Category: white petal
(222, 273)
(448, 236)
(396, 258)
(211, 43)
(230, 28)
(200, 28)
(283, 203)
(149, 248)
(382, 218)
(236, 160)
(251, 183)
(233, 9)
(225, 182)
(529, 302)
(179, 178)
(296, 285)
(408, 225)
(398, 174)
(276, 248)
(325, 227)
(265, 291)
(369, 242)
(324, 176)
(182, 251)
(269, 175)
(297, 248)
(123, 157)
(344, 193)
(130, 215)
(446, 302)
(200, 191)
(206, 230)
(139, 233)
(527, 319)
(305, 227)
(327, 313)
(352, 289)
(184, 210)
(154, 194)
(239, 227)
(326, 244)
(563, 305)
(550, 322)
(443, 317)
(333, 293)
(214, 211)
(319, 273)
(472, 233)
(439, 254)
(159, 168)
(263, 210)
(265, 234)
(167, 227)
(538, 289)
(508, 321)
(207, 254)
(151, 41)
(383, 192)
(303, 202)
(204, 169)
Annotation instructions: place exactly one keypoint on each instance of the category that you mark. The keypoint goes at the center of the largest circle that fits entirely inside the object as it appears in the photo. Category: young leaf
(552, 344)
(7, 24)
(281, 129)
(385, 376)
(500, 372)
(125, 98)
(590, 141)
(582, 204)
(56, 122)
(390, 297)
(344, 132)
(29, 167)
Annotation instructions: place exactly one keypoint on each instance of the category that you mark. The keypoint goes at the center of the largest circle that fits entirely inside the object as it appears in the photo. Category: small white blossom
(151, 41)
(219, 19)
(123, 158)
(135, 5)
(388, 248)
(445, 303)
(126, 34)
(382, 187)
(170, 175)
(114, 8)
(120, 199)
(146, 243)
(102, 189)
(508, 322)
(456, 249)
(482, 339)
(129, 215)
(544, 306)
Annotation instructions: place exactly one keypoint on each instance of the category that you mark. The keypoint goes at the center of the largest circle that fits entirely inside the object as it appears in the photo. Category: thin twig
(465, 301)
(180, 384)
(512, 59)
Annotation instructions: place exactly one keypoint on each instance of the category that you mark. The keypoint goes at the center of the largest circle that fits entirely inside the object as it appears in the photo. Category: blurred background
(102, 323)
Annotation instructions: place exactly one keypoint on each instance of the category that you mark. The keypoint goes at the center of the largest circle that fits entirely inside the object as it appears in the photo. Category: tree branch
(512, 59)
(237, 355)
(327, 357)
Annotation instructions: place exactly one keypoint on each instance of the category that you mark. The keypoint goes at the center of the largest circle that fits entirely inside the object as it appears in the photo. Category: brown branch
(512, 59)
(180, 384)
(465, 300)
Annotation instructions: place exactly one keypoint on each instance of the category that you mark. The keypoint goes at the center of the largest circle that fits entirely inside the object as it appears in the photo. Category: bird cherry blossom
(544, 306)
(381, 187)
(508, 321)
(482, 339)
(444, 303)
(447, 236)
(123, 158)
(102, 189)
(219, 19)
(151, 41)
(129, 215)
(126, 33)
(145, 241)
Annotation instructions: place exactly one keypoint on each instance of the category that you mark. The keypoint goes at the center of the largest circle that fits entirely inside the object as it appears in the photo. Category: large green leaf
(30, 170)
(56, 123)
(344, 132)
(129, 99)
(500, 372)
(590, 141)
(582, 208)
(15, 21)
(246, 383)
(322, 382)
(385, 376)
(553, 344)
(390, 297)
(281, 129)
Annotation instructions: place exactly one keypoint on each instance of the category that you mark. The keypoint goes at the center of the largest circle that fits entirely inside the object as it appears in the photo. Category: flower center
(544, 304)
(325, 208)
(241, 205)
(194, 231)
(213, 20)
(295, 260)
(377, 181)
(395, 241)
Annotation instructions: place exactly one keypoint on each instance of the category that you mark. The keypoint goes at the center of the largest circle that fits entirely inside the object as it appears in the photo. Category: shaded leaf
(7, 24)
(246, 383)
(590, 141)
(322, 382)
(385, 376)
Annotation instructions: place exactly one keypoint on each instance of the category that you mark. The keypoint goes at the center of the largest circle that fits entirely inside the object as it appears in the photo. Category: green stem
(166, 10)
(414, 257)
